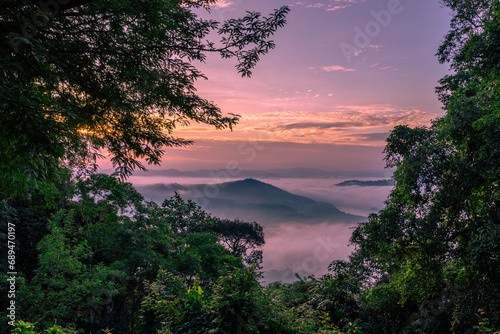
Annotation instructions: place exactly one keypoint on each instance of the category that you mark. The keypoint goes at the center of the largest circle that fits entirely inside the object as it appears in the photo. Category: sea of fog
(299, 248)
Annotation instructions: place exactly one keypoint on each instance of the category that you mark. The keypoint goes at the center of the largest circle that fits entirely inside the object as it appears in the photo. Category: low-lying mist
(294, 247)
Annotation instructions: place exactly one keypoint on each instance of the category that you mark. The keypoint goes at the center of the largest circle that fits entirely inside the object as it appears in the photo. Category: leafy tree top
(86, 77)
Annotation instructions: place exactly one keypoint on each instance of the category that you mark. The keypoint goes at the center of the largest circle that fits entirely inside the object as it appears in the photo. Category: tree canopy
(80, 79)
(435, 246)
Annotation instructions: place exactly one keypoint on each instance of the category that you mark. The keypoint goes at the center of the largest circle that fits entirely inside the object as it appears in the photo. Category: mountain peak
(250, 180)
(253, 199)
(252, 186)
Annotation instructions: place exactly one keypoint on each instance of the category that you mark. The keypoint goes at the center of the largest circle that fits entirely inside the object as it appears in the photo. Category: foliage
(435, 247)
(236, 303)
(22, 327)
(484, 324)
(104, 248)
(104, 75)
(240, 237)
(178, 306)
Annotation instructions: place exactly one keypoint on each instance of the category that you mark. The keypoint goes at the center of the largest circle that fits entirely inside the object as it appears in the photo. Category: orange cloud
(367, 125)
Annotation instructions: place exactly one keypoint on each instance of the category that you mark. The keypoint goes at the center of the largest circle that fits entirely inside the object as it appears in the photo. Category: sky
(343, 74)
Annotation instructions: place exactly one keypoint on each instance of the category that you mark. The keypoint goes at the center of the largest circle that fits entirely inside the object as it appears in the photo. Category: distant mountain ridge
(222, 174)
(251, 199)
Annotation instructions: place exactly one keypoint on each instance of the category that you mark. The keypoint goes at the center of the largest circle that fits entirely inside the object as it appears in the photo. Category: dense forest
(84, 252)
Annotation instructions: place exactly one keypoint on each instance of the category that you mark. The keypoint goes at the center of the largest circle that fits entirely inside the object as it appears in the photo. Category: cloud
(329, 6)
(315, 5)
(377, 136)
(333, 8)
(306, 250)
(333, 68)
(346, 124)
(368, 115)
(375, 47)
(351, 124)
(389, 68)
(223, 4)
(316, 125)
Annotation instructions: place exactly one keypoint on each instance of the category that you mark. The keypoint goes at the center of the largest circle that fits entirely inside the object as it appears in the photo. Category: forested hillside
(84, 252)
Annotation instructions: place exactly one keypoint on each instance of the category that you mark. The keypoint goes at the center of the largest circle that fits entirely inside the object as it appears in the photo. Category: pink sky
(313, 105)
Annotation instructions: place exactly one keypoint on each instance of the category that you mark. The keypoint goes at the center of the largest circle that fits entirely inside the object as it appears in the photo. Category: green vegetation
(104, 254)
(96, 257)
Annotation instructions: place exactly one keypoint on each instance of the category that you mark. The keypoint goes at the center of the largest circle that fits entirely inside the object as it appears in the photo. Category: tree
(85, 78)
(240, 237)
(435, 247)
(65, 286)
